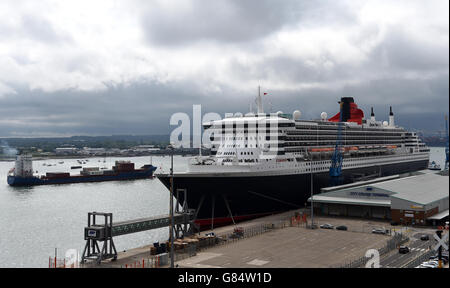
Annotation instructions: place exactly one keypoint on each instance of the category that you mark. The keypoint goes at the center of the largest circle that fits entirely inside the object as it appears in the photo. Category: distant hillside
(113, 141)
(434, 141)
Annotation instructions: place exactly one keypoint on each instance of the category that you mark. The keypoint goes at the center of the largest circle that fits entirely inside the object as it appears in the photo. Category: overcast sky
(124, 67)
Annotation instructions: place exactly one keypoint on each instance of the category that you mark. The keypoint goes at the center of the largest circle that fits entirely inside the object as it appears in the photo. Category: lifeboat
(353, 148)
(321, 149)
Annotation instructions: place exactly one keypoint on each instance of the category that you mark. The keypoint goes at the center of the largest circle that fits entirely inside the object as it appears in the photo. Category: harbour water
(36, 220)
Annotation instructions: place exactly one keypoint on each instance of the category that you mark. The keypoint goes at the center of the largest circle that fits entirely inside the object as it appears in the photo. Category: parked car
(341, 227)
(444, 255)
(432, 264)
(327, 226)
(379, 231)
(393, 223)
(425, 237)
(403, 250)
(436, 258)
(423, 265)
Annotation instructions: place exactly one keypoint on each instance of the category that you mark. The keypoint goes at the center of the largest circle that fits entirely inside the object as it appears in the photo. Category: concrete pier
(291, 246)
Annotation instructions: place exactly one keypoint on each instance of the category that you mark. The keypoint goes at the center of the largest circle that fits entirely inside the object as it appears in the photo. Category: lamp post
(172, 224)
(312, 195)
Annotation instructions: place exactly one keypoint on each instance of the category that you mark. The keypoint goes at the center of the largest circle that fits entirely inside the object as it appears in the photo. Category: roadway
(416, 246)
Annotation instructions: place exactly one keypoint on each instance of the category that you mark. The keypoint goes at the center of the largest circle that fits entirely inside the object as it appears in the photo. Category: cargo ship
(263, 163)
(22, 174)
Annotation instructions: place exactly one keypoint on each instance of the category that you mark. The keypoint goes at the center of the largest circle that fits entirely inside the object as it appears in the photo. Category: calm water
(36, 220)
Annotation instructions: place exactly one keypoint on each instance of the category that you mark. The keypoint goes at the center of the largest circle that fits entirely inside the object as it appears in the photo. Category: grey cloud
(39, 29)
(400, 50)
(33, 27)
(144, 106)
(417, 104)
(136, 109)
(230, 21)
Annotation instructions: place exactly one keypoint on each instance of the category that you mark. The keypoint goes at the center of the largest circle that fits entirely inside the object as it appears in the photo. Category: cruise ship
(267, 163)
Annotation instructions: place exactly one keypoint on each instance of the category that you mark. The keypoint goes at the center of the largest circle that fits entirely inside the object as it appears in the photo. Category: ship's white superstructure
(24, 166)
(281, 144)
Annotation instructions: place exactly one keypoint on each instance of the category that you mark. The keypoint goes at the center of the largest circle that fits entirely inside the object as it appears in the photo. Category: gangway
(105, 231)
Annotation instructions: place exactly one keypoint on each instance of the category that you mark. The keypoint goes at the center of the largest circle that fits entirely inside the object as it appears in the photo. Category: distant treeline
(108, 142)
(435, 141)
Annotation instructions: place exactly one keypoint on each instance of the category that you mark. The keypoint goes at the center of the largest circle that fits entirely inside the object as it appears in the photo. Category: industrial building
(66, 150)
(421, 199)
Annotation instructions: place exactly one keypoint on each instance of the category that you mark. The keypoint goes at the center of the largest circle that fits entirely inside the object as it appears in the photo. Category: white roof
(439, 215)
(421, 189)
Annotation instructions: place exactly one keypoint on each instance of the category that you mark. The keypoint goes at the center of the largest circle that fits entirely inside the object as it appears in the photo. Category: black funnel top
(390, 113)
(346, 107)
(347, 100)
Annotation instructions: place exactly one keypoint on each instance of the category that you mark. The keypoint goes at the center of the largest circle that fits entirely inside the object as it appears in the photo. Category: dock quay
(278, 240)
(286, 240)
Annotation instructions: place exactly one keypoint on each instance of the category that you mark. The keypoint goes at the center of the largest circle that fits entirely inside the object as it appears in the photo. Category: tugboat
(434, 166)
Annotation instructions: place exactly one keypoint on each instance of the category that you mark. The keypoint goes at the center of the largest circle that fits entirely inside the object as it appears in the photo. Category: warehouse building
(415, 200)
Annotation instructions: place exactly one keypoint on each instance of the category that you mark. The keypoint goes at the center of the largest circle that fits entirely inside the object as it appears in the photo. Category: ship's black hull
(252, 196)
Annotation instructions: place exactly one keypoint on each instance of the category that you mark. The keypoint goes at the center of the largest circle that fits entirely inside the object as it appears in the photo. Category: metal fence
(422, 258)
(247, 232)
(56, 263)
(391, 244)
(61, 263)
(192, 249)
(258, 229)
(184, 253)
(152, 262)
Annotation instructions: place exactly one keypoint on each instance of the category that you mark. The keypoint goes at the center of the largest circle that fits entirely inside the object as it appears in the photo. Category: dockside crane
(336, 159)
(446, 144)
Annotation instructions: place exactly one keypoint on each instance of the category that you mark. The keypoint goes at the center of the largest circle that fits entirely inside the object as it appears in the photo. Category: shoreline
(55, 157)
